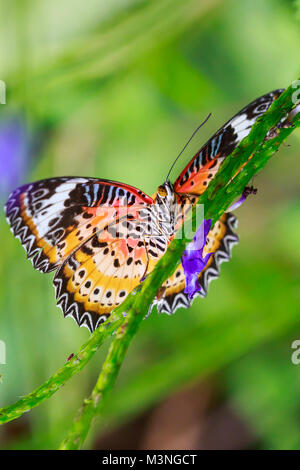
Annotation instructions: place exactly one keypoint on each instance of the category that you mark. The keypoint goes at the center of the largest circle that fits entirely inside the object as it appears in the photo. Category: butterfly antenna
(193, 134)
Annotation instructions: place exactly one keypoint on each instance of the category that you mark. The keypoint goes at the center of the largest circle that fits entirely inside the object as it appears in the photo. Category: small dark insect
(249, 190)
(275, 130)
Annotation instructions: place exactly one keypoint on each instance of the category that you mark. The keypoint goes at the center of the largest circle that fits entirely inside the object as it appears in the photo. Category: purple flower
(14, 154)
(193, 261)
(247, 191)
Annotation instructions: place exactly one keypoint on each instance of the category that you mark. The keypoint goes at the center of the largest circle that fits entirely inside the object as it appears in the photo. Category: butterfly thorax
(165, 209)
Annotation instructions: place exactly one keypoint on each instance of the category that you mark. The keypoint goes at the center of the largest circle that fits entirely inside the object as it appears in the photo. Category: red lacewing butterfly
(75, 226)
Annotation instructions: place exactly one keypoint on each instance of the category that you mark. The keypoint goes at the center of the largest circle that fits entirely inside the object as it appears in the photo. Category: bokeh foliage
(114, 89)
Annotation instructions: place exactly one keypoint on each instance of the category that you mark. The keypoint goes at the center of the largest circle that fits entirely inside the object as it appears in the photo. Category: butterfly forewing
(53, 217)
(196, 176)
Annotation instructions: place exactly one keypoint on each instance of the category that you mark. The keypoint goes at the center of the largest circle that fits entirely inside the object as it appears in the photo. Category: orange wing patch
(53, 217)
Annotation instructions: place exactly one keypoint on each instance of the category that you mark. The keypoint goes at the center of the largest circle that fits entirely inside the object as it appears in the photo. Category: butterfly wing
(52, 217)
(220, 241)
(99, 275)
(99, 235)
(204, 165)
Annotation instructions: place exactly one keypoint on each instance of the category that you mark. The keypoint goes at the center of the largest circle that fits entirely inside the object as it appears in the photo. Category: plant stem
(72, 367)
(105, 382)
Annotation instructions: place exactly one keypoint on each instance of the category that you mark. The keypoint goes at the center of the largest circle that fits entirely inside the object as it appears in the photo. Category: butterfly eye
(162, 191)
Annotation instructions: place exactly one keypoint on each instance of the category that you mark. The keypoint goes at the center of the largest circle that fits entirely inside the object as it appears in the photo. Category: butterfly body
(103, 237)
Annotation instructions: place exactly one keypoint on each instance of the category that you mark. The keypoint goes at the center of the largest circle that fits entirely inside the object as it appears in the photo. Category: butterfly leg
(147, 265)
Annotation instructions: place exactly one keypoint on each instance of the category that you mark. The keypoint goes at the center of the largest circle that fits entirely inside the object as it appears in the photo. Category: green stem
(229, 185)
(72, 367)
(105, 382)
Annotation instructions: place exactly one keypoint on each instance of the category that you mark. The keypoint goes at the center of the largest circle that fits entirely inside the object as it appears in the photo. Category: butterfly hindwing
(220, 241)
(196, 176)
(99, 275)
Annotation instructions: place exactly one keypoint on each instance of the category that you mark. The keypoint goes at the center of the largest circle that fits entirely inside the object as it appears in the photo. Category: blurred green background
(114, 89)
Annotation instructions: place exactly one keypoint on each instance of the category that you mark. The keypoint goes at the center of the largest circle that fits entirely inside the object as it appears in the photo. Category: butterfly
(78, 227)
